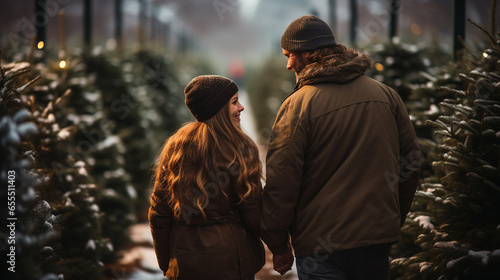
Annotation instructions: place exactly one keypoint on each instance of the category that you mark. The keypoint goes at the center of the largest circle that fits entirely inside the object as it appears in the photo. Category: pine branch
(428, 76)
(488, 133)
(449, 158)
(480, 74)
(496, 76)
(457, 108)
(449, 119)
(445, 148)
(485, 109)
(446, 164)
(469, 51)
(465, 125)
(443, 133)
(429, 196)
(493, 121)
(490, 37)
(24, 87)
(62, 97)
(437, 124)
(11, 75)
(456, 91)
(468, 142)
(467, 78)
(495, 52)
(464, 157)
(485, 102)
(432, 185)
(484, 181)
(493, 186)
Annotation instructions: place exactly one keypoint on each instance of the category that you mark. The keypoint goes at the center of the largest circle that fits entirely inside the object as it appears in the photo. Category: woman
(206, 204)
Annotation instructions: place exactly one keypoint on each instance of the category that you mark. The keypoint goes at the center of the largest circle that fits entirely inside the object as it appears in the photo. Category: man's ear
(306, 57)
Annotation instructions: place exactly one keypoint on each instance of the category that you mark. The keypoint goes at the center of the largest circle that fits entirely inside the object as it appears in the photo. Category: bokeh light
(415, 29)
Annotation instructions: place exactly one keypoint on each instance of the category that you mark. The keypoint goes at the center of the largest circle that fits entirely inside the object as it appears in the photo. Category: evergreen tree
(62, 164)
(100, 122)
(422, 105)
(457, 210)
(29, 219)
(416, 72)
(139, 103)
(121, 152)
(159, 94)
(398, 65)
(154, 84)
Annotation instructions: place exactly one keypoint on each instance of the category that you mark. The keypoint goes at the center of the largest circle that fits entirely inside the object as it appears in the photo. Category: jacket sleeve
(409, 159)
(250, 211)
(160, 220)
(284, 171)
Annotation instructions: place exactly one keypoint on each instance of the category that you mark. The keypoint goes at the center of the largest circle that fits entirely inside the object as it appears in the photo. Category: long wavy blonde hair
(199, 149)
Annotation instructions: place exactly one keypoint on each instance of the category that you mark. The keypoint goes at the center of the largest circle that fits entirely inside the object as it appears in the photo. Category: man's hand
(283, 263)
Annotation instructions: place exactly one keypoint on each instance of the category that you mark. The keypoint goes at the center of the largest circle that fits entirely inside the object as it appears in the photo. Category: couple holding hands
(341, 171)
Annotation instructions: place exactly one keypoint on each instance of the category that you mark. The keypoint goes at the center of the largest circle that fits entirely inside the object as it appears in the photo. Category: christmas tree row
(77, 143)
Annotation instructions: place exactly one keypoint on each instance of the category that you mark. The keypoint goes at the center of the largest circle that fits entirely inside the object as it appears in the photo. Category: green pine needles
(456, 214)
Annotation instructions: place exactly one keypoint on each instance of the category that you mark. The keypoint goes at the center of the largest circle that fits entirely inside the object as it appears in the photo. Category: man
(342, 165)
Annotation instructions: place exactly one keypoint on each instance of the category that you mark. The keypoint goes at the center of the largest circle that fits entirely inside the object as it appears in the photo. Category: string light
(40, 45)
(379, 67)
(485, 55)
(62, 64)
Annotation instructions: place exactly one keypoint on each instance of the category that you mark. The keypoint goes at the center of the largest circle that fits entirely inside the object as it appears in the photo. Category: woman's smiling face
(235, 109)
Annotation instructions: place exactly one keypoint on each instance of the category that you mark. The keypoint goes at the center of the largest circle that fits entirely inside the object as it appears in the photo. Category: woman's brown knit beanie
(207, 94)
(307, 33)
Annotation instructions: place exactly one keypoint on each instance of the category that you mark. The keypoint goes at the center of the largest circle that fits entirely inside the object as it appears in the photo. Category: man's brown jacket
(342, 165)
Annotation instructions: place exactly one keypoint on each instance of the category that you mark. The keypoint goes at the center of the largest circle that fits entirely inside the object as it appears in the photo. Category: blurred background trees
(90, 90)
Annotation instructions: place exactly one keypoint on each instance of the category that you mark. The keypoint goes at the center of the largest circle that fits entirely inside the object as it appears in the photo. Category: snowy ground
(139, 262)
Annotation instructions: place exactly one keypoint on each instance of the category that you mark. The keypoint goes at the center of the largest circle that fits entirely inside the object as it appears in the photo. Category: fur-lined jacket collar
(331, 71)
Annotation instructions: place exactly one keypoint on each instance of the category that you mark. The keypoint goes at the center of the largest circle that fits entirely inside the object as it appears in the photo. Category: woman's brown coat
(225, 245)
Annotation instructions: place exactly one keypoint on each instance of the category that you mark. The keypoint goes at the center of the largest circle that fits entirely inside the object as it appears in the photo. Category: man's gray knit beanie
(307, 33)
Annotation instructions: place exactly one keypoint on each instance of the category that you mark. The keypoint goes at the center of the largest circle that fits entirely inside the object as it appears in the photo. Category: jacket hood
(334, 71)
